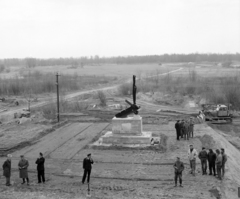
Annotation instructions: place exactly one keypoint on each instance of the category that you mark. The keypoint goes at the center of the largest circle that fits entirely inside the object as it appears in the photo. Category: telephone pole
(58, 116)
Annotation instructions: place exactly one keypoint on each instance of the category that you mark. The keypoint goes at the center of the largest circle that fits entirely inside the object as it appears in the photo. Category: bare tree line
(81, 61)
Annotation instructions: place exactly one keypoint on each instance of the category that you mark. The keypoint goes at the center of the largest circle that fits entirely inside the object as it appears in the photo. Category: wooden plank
(52, 141)
(74, 145)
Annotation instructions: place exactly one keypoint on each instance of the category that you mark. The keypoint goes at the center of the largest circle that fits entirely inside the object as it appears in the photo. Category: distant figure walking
(224, 160)
(23, 169)
(40, 168)
(179, 167)
(178, 129)
(192, 156)
(7, 169)
(219, 164)
(211, 162)
(203, 156)
(87, 166)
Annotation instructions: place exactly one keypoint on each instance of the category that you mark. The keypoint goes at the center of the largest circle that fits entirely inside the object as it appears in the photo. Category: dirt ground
(118, 172)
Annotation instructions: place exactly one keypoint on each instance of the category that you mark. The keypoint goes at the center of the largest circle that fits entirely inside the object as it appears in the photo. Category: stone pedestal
(127, 131)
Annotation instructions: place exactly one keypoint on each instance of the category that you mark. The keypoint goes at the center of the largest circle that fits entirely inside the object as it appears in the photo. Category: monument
(127, 125)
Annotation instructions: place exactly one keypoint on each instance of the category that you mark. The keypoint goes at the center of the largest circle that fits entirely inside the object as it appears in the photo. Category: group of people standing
(23, 165)
(215, 161)
(184, 128)
(23, 169)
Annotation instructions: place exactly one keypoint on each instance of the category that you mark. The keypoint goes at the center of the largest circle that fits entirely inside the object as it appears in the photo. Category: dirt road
(69, 97)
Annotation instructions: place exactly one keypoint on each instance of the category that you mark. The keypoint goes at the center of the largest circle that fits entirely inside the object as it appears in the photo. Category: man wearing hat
(7, 169)
(87, 166)
(23, 169)
(40, 168)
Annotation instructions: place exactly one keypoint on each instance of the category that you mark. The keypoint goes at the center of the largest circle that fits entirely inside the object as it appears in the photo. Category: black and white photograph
(119, 99)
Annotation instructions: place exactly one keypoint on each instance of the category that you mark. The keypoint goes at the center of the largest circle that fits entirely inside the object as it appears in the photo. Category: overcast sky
(74, 28)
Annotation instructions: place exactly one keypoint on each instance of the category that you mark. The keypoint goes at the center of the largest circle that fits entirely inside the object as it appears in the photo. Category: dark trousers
(41, 176)
(182, 132)
(204, 165)
(223, 170)
(26, 179)
(212, 169)
(87, 172)
(186, 134)
(7, 180)
(219, 171)
(178, 175)
(178, 134)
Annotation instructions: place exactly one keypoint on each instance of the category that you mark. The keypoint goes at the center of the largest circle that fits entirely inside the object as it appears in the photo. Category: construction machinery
(217, 114)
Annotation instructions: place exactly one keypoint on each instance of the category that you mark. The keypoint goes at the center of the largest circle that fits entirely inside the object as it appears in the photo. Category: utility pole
(58, 116)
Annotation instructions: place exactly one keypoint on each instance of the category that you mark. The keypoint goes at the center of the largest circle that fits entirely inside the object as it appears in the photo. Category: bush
(2, 68)
(125, 89)
(102, 98)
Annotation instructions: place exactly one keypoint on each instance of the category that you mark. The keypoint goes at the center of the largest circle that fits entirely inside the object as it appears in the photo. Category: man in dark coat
(40, 168)
(7, 169)
(178, 129)
(211, 162)
(23, 169)
(224, 160)
(182, 128)
(87, 166)
(179, 167)
(203, 156)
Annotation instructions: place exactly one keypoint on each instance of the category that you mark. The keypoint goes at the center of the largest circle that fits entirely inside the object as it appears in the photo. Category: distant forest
(81, 61)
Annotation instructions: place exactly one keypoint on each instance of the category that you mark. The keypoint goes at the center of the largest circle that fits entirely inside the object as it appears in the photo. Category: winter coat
(212, 157)
(192, 155)
(23, 165)
(40, 164)
(87, 163)
(178, 166)
(7, 168)
(203, 155)
(219, 160)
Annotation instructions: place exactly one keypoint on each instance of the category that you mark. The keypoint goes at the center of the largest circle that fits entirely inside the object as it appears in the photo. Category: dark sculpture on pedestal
(133, 107)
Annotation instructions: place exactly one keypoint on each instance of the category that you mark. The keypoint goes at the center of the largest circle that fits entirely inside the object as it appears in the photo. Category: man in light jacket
(224, 160)
(192, 156)
(219, 164)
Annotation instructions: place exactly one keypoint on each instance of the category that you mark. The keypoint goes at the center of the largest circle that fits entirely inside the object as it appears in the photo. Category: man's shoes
(8, 185)
(23, 183)
(210, 174)
(28, 183)
(39, 182)
(181, 185)
(175, 185)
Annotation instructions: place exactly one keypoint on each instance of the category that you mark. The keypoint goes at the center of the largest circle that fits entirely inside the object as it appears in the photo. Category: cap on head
(190, 145)
(9, 155)
(222, 149)
(89, 154)
(203, 148)
(21, 156)
(40, 154)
